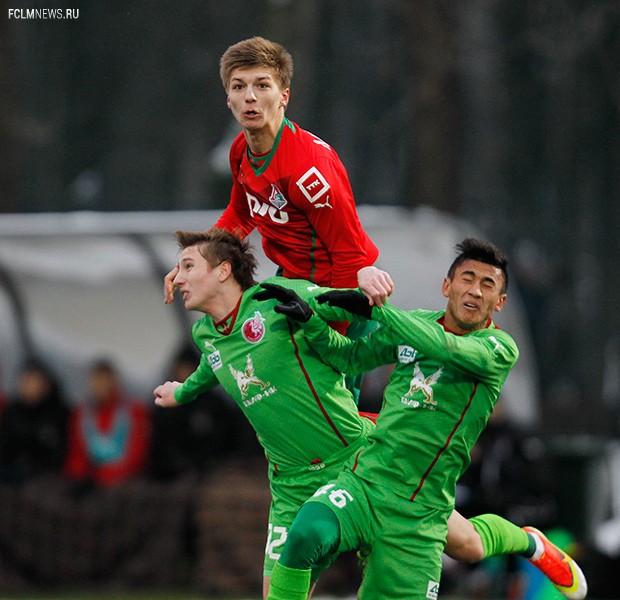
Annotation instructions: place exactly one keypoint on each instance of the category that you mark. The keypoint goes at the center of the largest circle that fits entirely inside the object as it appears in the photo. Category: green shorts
(403, 540)
(290, 490)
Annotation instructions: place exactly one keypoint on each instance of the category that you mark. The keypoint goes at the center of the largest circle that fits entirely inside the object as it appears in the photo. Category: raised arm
(173, 393)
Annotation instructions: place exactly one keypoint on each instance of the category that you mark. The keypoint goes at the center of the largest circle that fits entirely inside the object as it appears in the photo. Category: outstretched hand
(350, 300)
(169, 285)
(290, 305)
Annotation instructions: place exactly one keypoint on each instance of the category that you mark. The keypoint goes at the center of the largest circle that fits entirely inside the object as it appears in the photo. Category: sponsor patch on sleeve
(313, 185)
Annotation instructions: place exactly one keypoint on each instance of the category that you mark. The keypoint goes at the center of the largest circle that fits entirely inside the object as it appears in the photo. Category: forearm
(484, 353)
(347, 355)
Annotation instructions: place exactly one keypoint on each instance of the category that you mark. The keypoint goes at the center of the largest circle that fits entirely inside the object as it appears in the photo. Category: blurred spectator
(109, 434)
(198, 434)
(33, 426)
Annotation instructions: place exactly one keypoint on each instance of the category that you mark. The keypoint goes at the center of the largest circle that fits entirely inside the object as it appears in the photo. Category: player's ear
(500, 303)
(285, 97)
(445, 287)
(228, 101)
(225, 270)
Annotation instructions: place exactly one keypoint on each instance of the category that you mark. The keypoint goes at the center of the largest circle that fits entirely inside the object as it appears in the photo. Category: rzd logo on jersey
(274, 210)
(253, 330)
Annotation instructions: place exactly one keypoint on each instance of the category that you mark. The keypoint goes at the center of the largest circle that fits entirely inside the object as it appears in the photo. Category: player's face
(197, 280)
(256, 99)
(473, 295)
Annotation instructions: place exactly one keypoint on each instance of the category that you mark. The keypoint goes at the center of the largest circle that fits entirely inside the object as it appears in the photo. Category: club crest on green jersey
(253, 329)
(246, 378)
(421, 383)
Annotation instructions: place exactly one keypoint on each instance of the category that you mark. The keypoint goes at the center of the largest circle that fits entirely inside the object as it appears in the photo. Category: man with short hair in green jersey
(395, 496)
(303, 414)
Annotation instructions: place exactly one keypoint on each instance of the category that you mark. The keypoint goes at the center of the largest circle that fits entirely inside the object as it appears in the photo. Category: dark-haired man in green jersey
(396, 494)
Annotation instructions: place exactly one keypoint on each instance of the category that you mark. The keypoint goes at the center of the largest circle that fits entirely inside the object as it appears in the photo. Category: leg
(313, 537)
(482, 536)
(463, 541)
(405, 559)
(490, 535)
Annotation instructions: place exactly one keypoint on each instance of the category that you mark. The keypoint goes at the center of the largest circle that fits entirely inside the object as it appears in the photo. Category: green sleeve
(199, 382)
(347, 355)
(484, 353)
(332, 313)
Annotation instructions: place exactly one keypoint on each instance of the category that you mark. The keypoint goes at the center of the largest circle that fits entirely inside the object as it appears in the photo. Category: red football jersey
(299, 198)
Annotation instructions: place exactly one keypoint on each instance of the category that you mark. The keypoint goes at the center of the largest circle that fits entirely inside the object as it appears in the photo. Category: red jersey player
(288, 183)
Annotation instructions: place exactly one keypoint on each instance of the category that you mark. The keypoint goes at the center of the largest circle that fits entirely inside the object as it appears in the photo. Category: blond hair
(257, 52)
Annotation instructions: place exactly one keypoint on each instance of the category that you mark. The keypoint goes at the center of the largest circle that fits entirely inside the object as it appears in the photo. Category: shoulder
(308, 143)
(298, 285)
(201, 326)
(501, 341)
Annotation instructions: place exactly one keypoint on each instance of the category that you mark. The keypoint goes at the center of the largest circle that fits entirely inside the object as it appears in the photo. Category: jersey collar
(225, 326)
(260, 163)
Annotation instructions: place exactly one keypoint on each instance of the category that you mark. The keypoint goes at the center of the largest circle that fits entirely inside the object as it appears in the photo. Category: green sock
(289, 584)
(500, 536)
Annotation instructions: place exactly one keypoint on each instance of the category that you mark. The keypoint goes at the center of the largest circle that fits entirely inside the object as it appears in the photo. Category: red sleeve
(236, 218)
(324, 193)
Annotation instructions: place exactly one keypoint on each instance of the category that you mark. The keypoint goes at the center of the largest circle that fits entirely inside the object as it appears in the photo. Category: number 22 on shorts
(276, 537)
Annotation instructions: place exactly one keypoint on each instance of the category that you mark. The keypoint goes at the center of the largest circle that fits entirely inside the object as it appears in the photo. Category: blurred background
(498, 119)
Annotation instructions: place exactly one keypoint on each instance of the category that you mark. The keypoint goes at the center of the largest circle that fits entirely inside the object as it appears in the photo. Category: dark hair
(217, 245)
(103, 364)
(473, 249)
(257, 52)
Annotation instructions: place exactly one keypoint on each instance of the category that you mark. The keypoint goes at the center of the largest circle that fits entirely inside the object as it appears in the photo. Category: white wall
(89, 290)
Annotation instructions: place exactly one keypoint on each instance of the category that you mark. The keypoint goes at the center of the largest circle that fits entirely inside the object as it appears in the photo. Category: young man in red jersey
(288, 183)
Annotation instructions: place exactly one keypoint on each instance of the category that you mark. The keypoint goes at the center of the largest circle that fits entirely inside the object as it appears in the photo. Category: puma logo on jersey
(497, 344)
(313, 185)
(420, 383)
(323, 204)
(246, 378)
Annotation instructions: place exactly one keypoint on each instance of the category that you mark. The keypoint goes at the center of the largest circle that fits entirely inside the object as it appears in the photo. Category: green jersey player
(397, 493)
(304, 416)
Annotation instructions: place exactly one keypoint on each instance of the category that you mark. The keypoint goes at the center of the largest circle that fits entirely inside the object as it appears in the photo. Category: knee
(465, 545)
(315, 533)
(304, 538)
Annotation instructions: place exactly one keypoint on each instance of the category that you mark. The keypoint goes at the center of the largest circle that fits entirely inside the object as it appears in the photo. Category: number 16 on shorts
(338, 497)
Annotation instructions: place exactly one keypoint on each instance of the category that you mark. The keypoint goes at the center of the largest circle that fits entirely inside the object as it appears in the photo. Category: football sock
(500, 536)
(289, 584)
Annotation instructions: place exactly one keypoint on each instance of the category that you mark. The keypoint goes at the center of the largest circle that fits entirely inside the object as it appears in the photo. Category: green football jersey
(438, 399)
(299, 406)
